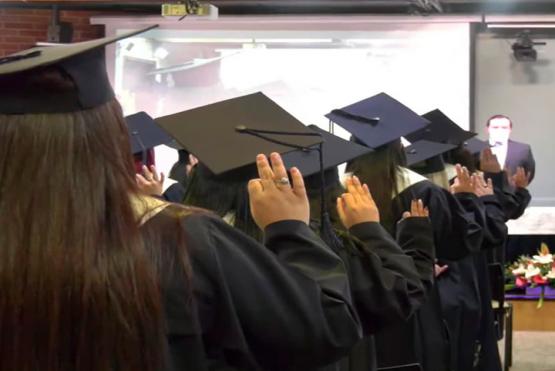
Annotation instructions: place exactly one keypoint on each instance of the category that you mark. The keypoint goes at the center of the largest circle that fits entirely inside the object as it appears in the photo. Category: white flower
(532, 271)
(543, 259)
(551, 275)
(519, 271)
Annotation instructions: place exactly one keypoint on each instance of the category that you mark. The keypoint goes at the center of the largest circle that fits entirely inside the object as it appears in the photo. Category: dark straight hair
(80, 289)
(379, 171)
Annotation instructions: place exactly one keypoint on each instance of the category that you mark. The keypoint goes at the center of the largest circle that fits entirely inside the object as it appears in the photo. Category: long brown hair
(79, 290)
(378, 170)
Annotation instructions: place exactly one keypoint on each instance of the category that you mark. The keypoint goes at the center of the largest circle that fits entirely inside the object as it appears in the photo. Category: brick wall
(22, 28)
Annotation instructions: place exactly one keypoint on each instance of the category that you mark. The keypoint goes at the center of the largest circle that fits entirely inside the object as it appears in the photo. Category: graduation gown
(460, 294)
(388, 280)
(495, 234)
(424, 339)
(285, 306)
(513, 201)
(175, 193)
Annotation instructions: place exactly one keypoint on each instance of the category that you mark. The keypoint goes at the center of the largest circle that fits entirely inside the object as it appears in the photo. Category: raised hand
(464, 182)
(150, 182)
(521, 179)
(357, 205)
(488, 162)
(417, 210)
(193, 161)
(481, 186)
(273, 198)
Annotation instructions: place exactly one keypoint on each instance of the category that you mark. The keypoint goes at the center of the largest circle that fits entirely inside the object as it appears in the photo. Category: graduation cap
(441, 129)
(475, 146)
(145, 133)
(336, 151)
(423, 150)
(425, 156)
(228, 135)
(407, 367)
(378, 120)
(83, 63)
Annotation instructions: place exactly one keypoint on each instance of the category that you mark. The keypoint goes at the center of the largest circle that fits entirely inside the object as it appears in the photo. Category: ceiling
(317, 6)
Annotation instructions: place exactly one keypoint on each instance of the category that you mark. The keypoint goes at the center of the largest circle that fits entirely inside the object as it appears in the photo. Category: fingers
(417, 209)
(298, 182)
(141, 181)
(341, 210)
(358, 186)
(193, 160)
(352, 190)
(367, 191)
(414, 207)
(255, 188)
(348, 200)
(147, 174)
(490, 183)
(154, 173)
(421, 208)
(265, 171)
(407, 215)
(277, 166)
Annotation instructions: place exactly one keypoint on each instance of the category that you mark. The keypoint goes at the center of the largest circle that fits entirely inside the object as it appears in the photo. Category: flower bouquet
(535, 271)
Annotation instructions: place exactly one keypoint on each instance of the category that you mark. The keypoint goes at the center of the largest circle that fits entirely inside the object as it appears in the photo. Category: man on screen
(510, 154)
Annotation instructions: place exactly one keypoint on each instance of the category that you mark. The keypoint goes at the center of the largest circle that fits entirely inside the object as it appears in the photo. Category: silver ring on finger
(282, 181)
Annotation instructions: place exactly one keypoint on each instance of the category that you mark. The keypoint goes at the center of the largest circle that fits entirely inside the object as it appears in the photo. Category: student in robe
(459, 287)
(511, 189)
(96, 276)
(495, 235)
(224, 190)
(469, 314)
(379, 122)
(387, 285)
(388, 278)
(475, 152)
(144, 135)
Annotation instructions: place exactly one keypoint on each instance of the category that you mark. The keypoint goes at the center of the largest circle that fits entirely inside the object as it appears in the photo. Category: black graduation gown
(513, 201)
(495, 234)
(175, 193)
(285, 306)
(424, 339)
(388, 280)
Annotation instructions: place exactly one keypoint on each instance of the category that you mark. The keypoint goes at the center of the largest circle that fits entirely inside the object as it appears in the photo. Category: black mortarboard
(228, 135)
(83, 63)
(475, 146)
(423, 150)
(378, 120)
(411, 367)
(145, 133)
(441, 129)
(335, 152)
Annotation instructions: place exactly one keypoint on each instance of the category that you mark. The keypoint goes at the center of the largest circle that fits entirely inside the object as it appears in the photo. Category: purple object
(530, 293)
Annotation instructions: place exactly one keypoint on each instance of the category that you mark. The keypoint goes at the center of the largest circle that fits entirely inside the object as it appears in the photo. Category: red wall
(22, 28)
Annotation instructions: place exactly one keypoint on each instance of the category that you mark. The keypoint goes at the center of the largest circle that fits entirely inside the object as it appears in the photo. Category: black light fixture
(523, 47)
